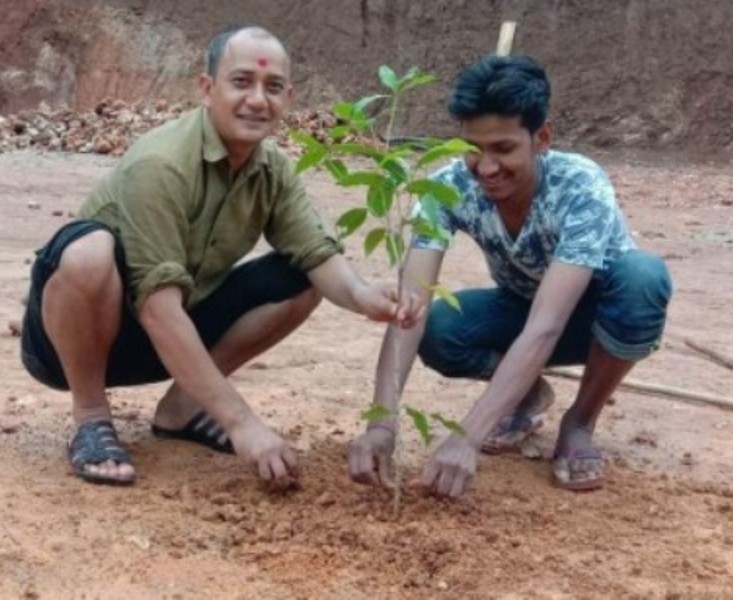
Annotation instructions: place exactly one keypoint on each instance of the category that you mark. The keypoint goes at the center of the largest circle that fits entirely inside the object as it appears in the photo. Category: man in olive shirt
(144, 286)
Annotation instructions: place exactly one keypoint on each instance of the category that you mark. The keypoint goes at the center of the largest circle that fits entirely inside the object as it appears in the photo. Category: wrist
(357, 294)
(383, 426)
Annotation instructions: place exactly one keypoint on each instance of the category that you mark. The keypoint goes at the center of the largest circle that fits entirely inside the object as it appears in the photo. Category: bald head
(218, 45)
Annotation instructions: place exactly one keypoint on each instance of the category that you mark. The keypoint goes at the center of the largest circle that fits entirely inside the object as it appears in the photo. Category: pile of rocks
(113, 125)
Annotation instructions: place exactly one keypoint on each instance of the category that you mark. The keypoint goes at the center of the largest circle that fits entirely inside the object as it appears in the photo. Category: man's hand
(275, 461)
(382, 303)
(451, 468)
(370, 457)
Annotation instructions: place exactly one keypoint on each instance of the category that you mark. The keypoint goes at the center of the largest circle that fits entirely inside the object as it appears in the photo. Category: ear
(205, 84)
(543, 137)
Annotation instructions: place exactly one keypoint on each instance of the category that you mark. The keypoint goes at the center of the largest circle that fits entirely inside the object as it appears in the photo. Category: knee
(88, 264)
(439, 346)
(643, 278)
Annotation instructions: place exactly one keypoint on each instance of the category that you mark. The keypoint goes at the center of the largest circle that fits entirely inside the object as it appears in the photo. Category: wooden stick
(716, 357)
(506, 38)
(635, 385)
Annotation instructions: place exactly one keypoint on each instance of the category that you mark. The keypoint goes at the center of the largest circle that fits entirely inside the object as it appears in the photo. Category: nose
(487, 165)
(256, 97)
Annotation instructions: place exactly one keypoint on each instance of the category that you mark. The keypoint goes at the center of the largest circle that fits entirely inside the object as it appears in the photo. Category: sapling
(400, 198)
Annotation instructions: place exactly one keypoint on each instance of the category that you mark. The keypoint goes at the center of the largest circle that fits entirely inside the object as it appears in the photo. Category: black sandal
(94, 443)
(202, 429)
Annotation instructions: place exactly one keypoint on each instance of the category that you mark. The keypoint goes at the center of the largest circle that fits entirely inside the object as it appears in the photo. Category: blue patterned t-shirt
(574, 219)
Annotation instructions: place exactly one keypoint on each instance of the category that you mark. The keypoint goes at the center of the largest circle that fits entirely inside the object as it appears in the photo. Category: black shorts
(133, 360)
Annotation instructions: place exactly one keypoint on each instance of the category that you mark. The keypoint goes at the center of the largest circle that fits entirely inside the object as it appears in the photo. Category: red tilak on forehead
(262, 62)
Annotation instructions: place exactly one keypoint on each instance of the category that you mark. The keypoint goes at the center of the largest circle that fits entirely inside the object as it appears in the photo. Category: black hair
(215, 49)
(503, 85)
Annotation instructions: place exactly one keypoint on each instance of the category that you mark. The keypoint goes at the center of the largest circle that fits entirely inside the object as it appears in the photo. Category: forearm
(396, 358)
(338, 282)
(512, 380)
(183, 354)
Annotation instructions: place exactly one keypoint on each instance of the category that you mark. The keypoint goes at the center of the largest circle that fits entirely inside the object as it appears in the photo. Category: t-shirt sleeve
(295, 229)
(153, 227)
(587, 222)
(429, 211)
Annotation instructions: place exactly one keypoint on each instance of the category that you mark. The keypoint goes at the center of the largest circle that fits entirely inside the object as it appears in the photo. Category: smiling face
(249, 92)
(506, 168)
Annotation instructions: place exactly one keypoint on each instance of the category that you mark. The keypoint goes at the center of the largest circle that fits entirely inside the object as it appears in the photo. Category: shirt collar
(215, 150)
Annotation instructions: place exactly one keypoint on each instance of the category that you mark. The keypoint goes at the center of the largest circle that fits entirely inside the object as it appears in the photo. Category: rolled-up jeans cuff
(624, 351)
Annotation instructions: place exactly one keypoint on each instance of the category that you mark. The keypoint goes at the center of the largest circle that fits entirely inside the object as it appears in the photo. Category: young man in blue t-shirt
(571, 288)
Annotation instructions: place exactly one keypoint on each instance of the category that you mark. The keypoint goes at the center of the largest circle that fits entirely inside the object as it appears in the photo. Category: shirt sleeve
(587, 223)
(153, 227)
(430, 211)
(295, 229)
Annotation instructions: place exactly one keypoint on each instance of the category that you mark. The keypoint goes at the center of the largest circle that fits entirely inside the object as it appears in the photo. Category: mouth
(493, 184)
(253, 119)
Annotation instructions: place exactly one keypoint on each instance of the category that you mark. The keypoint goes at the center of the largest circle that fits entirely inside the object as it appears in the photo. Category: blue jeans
(624, 308)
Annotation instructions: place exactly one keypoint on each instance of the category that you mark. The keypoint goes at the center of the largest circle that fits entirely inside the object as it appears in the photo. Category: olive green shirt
(185, 220)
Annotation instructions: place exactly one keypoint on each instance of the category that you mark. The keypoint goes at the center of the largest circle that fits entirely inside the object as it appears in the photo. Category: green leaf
(397, 169)
(388, 78)
(450, 425)
(337, 168)
(343, 111)
(376, 412)
(380, 198)
(430, 210)
(447, 296)
(305, 139)
(350, 221)
(421, 423)
(453, 147)
(311, 158)
(435, 232)
(373, 239)
(446, 194)
(338, 132)
(368, 178)
(418, 81)
(366, 101)
(357, 149)
(395, 248)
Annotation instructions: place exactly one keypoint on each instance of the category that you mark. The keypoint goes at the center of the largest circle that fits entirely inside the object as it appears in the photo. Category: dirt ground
(199, 525)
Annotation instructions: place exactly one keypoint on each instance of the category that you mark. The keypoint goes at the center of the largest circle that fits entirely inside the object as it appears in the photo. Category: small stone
(32, 205)
(442, 586)
(102, 146)
(57, 213)
(325, 500)
(282, 531)
(530, 448)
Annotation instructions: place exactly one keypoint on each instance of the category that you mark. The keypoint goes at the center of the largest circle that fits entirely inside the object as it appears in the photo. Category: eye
(504, 148)
(275, 87)
(240, 82)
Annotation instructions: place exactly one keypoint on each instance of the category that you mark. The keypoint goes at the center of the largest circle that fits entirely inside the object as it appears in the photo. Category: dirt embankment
(632, 73)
